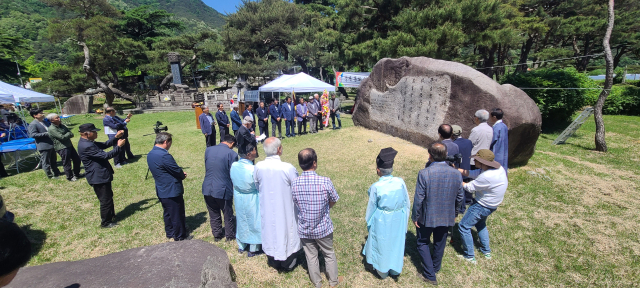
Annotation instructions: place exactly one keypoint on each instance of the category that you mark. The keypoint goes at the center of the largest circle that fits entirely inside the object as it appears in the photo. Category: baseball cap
(456, 130)
(87, 127)
(310, 97)
(248, 119)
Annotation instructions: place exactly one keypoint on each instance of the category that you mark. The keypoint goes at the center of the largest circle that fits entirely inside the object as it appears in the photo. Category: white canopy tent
(300, 82)
(10, 94)
(21, 95)
(6, 98)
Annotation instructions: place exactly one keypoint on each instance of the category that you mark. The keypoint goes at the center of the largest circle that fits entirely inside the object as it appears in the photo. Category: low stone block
(193, 263)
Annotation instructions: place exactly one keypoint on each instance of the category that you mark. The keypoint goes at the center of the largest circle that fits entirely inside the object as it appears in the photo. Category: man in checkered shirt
(314, 195)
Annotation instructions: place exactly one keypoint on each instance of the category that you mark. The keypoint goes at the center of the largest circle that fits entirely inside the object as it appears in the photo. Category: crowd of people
(279, 212)
(314, 112)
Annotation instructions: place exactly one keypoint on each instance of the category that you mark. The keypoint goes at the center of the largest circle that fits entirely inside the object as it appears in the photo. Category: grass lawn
(569, 217)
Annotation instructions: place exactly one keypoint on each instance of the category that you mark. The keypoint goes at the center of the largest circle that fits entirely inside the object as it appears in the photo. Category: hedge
(557, 106)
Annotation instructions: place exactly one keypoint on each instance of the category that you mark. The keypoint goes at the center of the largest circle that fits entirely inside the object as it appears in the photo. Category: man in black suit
(274, 111)
(168, 177)
(99, 172)
(249, 112)
(207, 126)
(223, 122)
(245, 136)
(217, 188)
(263, 116)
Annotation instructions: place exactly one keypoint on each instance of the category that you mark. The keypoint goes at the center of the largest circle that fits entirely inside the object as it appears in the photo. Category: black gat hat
(386, 157)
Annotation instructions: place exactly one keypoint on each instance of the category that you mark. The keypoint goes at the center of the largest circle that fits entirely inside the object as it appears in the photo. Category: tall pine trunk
(601, 144)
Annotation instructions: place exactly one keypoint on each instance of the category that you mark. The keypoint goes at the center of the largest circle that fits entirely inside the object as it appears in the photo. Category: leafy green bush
(623, 99)
(556, 106)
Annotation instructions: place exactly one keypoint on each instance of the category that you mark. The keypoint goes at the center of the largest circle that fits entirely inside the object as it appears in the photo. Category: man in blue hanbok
(500, 142)
(247, 203)
(387, 215)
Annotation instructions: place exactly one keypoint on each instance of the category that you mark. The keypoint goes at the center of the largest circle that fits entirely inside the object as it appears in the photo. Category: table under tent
(16, 148)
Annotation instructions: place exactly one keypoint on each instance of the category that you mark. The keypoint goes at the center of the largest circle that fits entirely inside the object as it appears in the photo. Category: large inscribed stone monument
(410, 97)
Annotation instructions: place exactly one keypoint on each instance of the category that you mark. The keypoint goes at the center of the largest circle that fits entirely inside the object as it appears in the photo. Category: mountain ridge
(188, 9)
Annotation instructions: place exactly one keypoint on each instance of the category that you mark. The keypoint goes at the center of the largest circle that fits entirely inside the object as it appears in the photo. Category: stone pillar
(174, 60)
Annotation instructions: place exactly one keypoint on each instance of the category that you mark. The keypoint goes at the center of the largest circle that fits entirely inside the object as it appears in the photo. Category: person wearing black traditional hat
(99, 172)
(387, 215)
(489, 187)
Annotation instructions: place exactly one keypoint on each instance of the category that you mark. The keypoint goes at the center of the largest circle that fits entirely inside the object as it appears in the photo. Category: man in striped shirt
(314, 195)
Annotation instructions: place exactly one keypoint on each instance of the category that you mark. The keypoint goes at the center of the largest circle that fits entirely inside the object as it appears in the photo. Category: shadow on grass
(369, 268)
(135, 207)
(36, 237)
(411, 250)
(457, 240)
(195, 221)
(135, 159)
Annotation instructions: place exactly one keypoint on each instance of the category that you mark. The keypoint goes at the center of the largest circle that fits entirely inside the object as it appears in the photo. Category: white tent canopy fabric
(300, 82)
(6, 98)
(22, 95)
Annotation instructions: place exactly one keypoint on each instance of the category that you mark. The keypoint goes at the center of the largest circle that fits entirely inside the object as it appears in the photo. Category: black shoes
(110, 225)
(182, 239)
(433, 282)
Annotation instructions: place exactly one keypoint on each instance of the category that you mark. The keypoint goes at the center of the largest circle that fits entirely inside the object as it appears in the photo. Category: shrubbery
(623, 99)
(557, 106)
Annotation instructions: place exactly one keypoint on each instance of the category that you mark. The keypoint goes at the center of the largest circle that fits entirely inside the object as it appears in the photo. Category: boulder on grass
(410, 97)
(80, 104)
(187, 264)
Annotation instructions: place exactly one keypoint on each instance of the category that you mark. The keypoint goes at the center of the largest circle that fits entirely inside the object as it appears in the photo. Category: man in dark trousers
(168, 177)
(207, 126)
(99, 172)
(39, 130)
(112, 124)
(249, 112)
(438, 193)
(236, 120)
(334, 109)
(276, 113)
(289, 116)
(223, 122)
(319, 125)
(61, 136)
(263, 117)
(245, 136)
(464, 146)
(217, 188)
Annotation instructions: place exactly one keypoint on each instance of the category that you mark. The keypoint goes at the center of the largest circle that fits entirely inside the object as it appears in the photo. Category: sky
(223, 6)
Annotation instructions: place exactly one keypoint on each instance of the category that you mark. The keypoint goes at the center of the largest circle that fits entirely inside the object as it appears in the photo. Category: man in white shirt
(273, 178)
(489, 188)
(481, 135)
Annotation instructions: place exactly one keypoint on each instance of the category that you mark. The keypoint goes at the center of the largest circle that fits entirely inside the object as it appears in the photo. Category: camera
(456, 159)
(157, 128)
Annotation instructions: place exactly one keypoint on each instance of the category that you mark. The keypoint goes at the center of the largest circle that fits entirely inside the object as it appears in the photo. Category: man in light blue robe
(500, 142)
(247, 204)
(387, 216)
